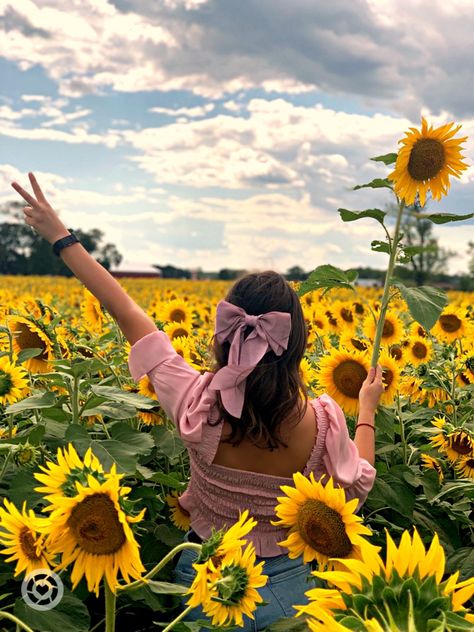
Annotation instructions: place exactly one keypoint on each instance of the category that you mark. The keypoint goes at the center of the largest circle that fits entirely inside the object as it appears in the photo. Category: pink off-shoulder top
(216, 494)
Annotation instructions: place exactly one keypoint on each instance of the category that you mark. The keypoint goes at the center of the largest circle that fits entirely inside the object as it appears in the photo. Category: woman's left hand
(39, 214)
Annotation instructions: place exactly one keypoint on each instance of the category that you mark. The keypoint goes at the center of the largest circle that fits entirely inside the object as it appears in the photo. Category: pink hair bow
(270, 331)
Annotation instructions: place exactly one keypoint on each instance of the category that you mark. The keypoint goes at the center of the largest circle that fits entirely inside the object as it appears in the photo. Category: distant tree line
(23, 251)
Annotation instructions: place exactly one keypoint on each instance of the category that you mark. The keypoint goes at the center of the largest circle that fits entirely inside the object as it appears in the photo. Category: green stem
(178, 619)
(5, 463)
(159, 566)
(10, 426)
(386, 288)
(110, 600)
(75, 401)
(402, 429)
(19, 623)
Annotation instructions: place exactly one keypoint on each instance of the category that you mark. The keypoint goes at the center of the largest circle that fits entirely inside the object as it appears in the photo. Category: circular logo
(42, 589)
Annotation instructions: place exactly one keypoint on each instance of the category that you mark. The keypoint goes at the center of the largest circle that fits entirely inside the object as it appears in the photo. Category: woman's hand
(39, 214)
(371, 390)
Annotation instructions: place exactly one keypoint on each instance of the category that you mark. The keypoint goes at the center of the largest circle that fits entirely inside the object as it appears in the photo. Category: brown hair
(274, 390)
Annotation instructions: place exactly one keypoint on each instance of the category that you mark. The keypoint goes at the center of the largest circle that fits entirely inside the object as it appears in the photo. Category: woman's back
(282, 461)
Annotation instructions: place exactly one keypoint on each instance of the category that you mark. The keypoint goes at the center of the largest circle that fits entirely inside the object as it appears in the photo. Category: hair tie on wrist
(368, 425)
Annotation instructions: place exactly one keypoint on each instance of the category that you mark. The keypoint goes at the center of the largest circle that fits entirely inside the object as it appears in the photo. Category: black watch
(64, 242)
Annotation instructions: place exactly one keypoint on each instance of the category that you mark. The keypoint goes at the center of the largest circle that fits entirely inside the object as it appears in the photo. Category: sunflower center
(396, 352)
(388, 329)
(322, 528)
(469, 463)
(331, 319)
(28, 339)
(450, 323)
(461, 443)
(346, 315)
(318, 323)
(177, 315)
(177, 333)
(426, 159)
(470, 363)
(6, 382)
(27, 543)
(348, 377)
(359, 308)
(387, 377)
(358, 344)
(95, 525)
(419, 350)
(464, 379)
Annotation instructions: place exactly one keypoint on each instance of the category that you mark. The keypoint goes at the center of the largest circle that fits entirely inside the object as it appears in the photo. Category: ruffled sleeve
(341, 457)
(181, 390)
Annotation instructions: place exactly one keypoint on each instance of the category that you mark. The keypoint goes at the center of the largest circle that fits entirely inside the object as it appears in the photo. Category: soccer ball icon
(42, 589)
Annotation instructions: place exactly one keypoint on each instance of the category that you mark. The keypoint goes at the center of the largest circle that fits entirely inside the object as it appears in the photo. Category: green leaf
(327, 276)
(387, 159)
(36, 434)
(166, 588)
(424, 303)
(141, 442)
(443, 218)
(26, 354)
(46, 400)
(114, 410)
(456, 622)
(380, 246)
(378, 183)
(167, 441)
(352, 216)
(294, 625)
(124, 397)
(70, 614)
(169, 480)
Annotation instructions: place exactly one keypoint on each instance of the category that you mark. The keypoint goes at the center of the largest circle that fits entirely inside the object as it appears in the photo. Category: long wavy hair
(274, 391)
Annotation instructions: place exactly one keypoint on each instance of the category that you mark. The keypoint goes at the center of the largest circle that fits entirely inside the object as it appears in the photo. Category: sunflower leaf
(352, 216)
(387, 159)
(46, 400)
(166, 588)
(443, 218)
(327, 277)
(380, 246)
(424, 303)
(377, 183)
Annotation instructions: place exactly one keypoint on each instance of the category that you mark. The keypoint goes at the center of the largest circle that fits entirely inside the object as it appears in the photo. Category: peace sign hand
(39, 214)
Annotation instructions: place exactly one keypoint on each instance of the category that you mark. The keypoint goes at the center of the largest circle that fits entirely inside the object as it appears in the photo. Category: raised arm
(130, 317)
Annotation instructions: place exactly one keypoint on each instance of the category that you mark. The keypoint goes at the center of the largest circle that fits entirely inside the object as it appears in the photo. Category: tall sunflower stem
(110, 599)
(181, 616)
(75, 401)
(386, 288)
(402, 430)
(169, 556)
(19, 624)
(10, 426)
(453, 396)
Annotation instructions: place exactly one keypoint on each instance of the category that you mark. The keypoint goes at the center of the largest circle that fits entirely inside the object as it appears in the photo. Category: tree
(296, 273)
(431, 259)
(26, 252)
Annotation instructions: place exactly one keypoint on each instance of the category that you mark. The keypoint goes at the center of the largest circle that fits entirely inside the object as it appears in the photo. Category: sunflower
(91, 311)
(59, 480)
(341, 373)
(365, 584)
(232, 588)
(350, 341)
(412, 386)
(179, 516)
(28, 335)
(465, 364)
(177, 330)
(176, 311)
(419, 350)
(92, 531)
(430, 463)
(390, 377)
(344, 313)
(392, 332)
(458, 443)
(465, 466)
(20, 533)
(451, 325)
(321, 523)
(417, 331)
(13, 382)
(183, 347)
(398, 353)
(426, 161)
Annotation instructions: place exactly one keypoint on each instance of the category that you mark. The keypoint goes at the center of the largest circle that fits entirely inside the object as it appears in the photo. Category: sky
(226, 133)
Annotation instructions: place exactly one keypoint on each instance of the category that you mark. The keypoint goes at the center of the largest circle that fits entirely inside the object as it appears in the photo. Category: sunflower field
(91, 468)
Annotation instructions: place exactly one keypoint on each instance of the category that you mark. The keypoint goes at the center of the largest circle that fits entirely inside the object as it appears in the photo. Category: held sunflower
(321, 523)
(425, 162)
(341, 373)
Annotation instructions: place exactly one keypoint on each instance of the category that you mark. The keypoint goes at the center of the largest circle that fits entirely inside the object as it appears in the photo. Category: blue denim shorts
(285, 588)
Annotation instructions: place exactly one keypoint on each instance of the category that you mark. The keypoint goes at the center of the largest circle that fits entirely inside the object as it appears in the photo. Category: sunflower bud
(26, 455)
